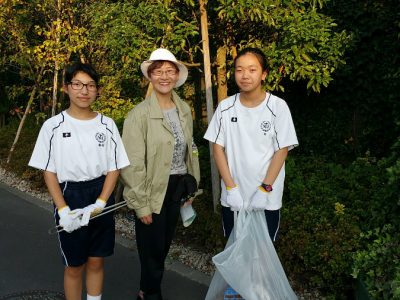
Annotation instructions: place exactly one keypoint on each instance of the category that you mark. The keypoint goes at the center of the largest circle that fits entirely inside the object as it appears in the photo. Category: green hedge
(327, 207)
(378, 263)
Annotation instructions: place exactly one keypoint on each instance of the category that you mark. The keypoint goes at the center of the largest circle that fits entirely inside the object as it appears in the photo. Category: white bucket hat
(164, 54)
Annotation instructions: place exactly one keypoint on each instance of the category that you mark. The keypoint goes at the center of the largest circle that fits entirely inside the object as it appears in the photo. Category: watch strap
(266, 187)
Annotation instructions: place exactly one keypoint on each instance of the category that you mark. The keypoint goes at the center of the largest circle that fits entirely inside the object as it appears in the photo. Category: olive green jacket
(149, 143)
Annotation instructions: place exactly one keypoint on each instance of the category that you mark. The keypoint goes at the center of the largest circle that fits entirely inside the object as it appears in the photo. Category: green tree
(60, 38)
(17, 29)
(120, 41)
(359, 110)
(40, 38)
(301, 43)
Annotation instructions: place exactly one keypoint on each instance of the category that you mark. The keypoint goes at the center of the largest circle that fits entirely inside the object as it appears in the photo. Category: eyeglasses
(77, 85)
(159, 73)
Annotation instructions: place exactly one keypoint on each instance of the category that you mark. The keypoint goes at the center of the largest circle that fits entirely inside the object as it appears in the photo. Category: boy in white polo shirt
(81, 153)
(252, 132)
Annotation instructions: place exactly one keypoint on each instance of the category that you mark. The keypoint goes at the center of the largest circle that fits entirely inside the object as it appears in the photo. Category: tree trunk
(56, 63)
(198, 97)
(209, 99)
(222, 88)
(55, 89)
(27, 109)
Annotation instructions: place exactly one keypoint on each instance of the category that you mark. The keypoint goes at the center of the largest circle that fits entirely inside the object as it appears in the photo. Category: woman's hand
(147, 219)
(188, 202)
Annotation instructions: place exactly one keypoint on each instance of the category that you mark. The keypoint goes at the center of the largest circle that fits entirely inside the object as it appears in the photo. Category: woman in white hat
(158, 137)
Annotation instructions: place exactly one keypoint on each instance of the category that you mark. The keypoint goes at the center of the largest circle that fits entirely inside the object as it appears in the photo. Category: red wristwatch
(266, 187)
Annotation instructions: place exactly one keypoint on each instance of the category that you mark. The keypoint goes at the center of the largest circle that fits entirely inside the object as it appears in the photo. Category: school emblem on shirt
(100, 138)
(265, 126)
(66, 134)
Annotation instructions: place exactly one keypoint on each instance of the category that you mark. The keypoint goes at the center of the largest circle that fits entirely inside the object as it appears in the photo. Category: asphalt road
(31, 267)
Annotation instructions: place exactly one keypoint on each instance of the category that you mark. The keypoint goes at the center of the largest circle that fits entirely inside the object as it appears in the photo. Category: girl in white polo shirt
(81, 153)
(252, 132)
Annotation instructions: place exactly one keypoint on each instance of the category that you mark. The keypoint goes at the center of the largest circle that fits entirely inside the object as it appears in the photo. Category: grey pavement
(31, 267)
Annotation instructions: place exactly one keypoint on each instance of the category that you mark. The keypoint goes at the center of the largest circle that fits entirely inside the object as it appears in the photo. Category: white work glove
(259, 199)
(92, 210)
(70, 220)
(234, 199)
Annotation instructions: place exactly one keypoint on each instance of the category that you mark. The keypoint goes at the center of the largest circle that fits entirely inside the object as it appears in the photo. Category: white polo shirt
(250, 137)
(79, 150)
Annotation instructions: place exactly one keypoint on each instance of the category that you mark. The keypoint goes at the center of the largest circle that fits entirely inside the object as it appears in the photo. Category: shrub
(326, 207)
(23, 149)
(206, 231)
(377, 265)
(318, 231)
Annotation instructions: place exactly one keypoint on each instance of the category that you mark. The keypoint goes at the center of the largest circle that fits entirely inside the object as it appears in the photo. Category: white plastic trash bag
(249, 263)
(188, 214)
(218, 284)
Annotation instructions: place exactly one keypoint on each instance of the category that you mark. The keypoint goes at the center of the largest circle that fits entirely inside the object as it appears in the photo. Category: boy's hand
(70, 220)
(92, 210)
(234, 198)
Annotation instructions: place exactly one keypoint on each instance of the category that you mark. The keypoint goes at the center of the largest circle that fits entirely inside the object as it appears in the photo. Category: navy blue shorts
(95, 240)
(272, 216)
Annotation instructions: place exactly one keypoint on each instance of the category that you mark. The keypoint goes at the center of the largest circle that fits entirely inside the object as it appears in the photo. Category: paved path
(30, 262)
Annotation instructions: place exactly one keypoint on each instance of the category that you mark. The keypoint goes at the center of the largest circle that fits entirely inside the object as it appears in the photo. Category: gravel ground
(125, 227)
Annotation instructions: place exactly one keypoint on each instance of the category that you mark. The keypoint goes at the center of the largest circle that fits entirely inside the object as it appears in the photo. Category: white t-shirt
(250, 137)
(79, 150)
